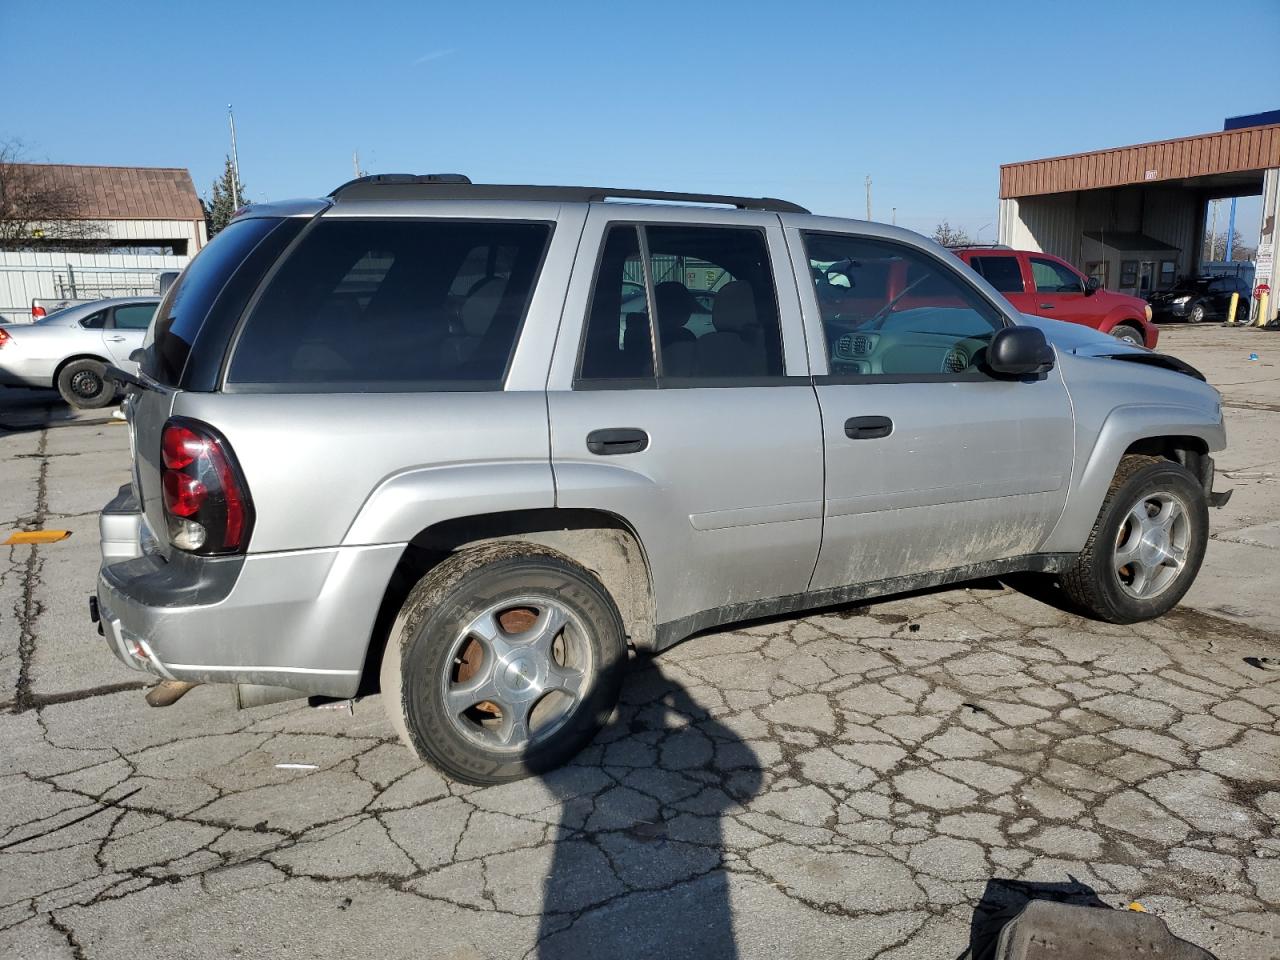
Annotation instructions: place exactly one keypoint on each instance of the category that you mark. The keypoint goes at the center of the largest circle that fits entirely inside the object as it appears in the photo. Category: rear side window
(95, 321)
(393, 304)
(1003, 273)
(184, 308)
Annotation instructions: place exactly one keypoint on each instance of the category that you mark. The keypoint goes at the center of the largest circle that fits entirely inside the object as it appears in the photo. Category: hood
(1087, 342)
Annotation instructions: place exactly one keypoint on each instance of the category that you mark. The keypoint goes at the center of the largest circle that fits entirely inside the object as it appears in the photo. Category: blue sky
(800, 101)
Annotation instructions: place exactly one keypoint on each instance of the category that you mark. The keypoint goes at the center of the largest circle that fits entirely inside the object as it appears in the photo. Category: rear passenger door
(705, 438)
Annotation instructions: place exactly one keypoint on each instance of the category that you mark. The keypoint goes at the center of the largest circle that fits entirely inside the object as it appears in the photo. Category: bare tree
(1215, 246)
(950, 236)
(36, 210)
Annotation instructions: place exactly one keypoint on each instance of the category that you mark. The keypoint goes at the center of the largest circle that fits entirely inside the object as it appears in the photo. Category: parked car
(344, 480)
(1203, 298)
(1048, 286)
(70, 349)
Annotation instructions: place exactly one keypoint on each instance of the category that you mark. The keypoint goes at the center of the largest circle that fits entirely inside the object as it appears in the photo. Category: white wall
(30, 275)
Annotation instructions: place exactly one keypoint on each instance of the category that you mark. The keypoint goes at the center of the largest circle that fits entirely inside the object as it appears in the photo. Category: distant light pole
(894, 221)
(978, 237)
(235, 162)
(868, 196)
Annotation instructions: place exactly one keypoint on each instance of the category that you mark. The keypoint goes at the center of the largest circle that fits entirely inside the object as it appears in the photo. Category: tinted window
(1003, 273)
(1050, 276)
(96, 321)
(617, 345)
(394, 304)
(740, 336)
(183, 310)
(135, 316)
(890, 310)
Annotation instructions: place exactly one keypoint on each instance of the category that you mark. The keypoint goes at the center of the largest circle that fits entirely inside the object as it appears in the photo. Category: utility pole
(1213, 231)
(235, 162)
(355, 164)
(868, 196)
(894, 219)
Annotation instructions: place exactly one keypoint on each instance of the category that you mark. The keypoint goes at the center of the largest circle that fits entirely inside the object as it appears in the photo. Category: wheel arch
(603, 543)
(66, 361)
(1179, 432)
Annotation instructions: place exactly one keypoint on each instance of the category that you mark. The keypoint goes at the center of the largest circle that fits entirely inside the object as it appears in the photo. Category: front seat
(736, 348)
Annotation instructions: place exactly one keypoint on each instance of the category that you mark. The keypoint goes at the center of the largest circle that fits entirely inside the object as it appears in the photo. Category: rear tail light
(38, 312)
(4, 336)
(206, 502)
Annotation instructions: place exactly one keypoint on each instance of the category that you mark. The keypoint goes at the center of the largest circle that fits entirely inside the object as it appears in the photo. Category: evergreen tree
(222, 199)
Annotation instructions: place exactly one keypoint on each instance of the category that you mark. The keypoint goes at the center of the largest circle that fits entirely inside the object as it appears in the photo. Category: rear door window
(393, 305)
(1003, 273)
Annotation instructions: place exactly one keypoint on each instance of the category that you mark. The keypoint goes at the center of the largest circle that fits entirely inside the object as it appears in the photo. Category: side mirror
(1092, 286)
(1020, 351)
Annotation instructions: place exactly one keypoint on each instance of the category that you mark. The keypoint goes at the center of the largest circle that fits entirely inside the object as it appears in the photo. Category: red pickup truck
(1048, 286)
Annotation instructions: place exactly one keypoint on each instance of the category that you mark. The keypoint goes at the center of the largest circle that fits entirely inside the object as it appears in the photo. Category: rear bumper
(300, 619)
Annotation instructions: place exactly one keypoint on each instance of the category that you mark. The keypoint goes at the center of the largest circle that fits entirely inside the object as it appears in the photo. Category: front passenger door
(125, 327)
(931, 462)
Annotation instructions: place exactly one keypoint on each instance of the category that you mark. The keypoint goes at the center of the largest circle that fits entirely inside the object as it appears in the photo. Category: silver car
(427, 435)
(71, 349)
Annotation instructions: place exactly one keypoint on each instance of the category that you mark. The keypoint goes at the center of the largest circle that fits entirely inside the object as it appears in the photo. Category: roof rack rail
(454, 186)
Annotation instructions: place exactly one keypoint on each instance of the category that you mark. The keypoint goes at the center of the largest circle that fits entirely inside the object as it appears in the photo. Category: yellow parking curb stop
(36, 536)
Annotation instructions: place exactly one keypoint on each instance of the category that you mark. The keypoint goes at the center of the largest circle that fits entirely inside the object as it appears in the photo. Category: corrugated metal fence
(55, 276)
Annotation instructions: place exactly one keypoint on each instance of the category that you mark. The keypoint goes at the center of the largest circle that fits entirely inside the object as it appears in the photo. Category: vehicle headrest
(734, 307)
(480, 307)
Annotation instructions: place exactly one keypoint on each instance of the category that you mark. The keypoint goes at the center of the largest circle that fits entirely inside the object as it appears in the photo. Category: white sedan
(70, 349)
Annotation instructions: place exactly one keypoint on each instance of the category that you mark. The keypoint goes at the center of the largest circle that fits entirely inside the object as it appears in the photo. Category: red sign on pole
(1260, 291)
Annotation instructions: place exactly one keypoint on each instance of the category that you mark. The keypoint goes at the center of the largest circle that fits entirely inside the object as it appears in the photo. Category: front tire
(1128, 334)
(1146, 546)
(84, 384)
(505, 661)
(1197, 314)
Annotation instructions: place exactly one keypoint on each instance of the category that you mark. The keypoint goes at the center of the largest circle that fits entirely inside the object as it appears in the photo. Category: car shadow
(1002, 900)
(638, 865)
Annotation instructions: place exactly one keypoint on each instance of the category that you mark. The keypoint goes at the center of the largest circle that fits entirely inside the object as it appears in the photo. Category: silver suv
(470, 443)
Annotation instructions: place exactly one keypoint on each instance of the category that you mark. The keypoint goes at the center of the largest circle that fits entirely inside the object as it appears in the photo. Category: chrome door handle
(115, 339)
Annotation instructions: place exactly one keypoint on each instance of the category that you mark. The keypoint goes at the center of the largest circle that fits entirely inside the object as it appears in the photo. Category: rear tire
(1123, 331)
(1146, 546)
(504, 662)
(84, 384)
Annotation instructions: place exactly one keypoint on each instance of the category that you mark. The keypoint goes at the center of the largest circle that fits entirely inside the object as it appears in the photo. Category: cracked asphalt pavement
(888, 781)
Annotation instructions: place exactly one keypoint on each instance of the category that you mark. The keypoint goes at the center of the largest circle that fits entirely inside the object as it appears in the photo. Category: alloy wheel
(1152, 545)
(516, 673)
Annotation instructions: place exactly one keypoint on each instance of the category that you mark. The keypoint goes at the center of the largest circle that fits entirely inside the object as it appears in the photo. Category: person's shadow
(638, 867)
